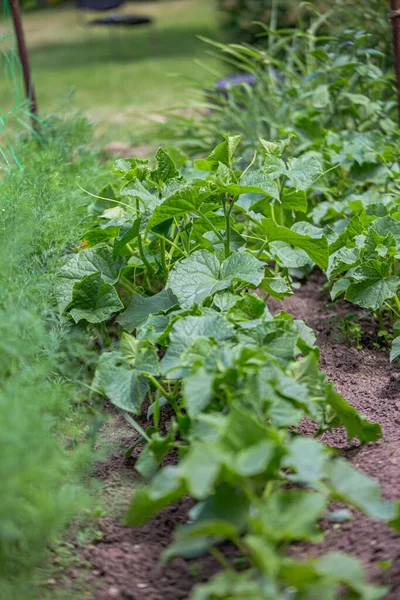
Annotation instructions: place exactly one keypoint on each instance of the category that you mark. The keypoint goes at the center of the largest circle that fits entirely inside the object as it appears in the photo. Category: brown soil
(126, 561)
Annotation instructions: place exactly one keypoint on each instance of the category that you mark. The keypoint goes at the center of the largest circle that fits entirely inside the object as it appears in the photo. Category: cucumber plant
(178, 262)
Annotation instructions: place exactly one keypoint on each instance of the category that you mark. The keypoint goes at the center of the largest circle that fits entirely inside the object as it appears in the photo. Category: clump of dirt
(126, 561)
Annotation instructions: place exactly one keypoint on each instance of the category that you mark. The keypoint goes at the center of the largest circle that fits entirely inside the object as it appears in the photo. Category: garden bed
(126, 561)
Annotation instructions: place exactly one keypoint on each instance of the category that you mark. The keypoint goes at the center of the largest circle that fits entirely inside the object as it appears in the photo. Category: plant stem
(227, 213)
(160, 388)
(261, 250)
(219, 557)
(162, 256)
(127, 285)
(397, 301)
(215, 230)
(140, 246)
(107, 339)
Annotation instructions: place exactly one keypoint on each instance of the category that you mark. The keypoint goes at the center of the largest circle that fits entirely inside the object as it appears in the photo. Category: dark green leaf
(140, 308)
(94, 300)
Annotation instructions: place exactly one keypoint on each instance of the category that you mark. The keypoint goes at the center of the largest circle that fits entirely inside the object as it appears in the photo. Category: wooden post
(395, 18)
(24, 58)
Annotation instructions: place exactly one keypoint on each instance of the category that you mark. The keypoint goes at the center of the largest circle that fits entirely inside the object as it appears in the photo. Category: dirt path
(125, 562)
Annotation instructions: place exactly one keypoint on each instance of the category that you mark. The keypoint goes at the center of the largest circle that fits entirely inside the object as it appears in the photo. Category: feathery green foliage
(40, 214)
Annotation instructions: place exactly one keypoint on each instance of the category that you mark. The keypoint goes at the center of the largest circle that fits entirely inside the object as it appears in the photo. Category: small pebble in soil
(142, 585)
(113, 592)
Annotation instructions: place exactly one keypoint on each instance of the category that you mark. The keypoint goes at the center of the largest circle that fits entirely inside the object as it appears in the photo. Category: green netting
(15, 113)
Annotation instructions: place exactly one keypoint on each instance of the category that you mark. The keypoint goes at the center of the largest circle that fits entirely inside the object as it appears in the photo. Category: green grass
(118, 77)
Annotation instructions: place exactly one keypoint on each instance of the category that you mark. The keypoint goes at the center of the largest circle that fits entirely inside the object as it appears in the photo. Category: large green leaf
(200, 275)
(290, 515)
(140, 308)
(165, 168)
(86, 262)
(186, 332)
(117, 380)
(166, 488)
(373, 285)
(355, 424)
(348, 570)
(352, 486)
(195, 278)
(187, 199)
(130, 234)
(223, 153)
(308, 459)
(316, 248)
(255, 182)
(197, 391)
(136, 189)
(200, 469)
(140, 354)
(386, 225)
(395, 351)
(241, 266)
(94, 300)
(303, 171)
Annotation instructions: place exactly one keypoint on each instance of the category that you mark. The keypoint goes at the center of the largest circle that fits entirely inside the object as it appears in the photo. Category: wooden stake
(24, 58)
(395, 18)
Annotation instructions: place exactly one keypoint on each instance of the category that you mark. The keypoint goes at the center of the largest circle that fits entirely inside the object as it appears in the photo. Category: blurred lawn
(117, 76)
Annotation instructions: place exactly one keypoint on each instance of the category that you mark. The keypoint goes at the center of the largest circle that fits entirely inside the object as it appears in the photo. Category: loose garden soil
(126, 561)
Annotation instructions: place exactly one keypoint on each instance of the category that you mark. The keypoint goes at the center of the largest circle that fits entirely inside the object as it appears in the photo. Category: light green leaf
(339, 287)
(255, 182)
(290, 257)
(140, 308)
(187, 199)
(200, 469)
(303, 171)
(197, 391)
(254, 460)
(94, 300)
(348, 570)
(185, 333)
(140, 354)
(136, 189)
(373, 285)
(342, 260)
(200, 275)
(247, 308)
(395, 351)
(98, 235)
(294, 200)
(166, 488)
(352, 486)
(241, 266)
(225, 300)
(86, 262)
(320, 96)
(308, 458)
(223, 153)
(277, 287)
(386, 225)
(195, 278)
(291, 515)
(355, 424)
(316, 248)
(153, 328)
(116, 379)
(165, 168)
